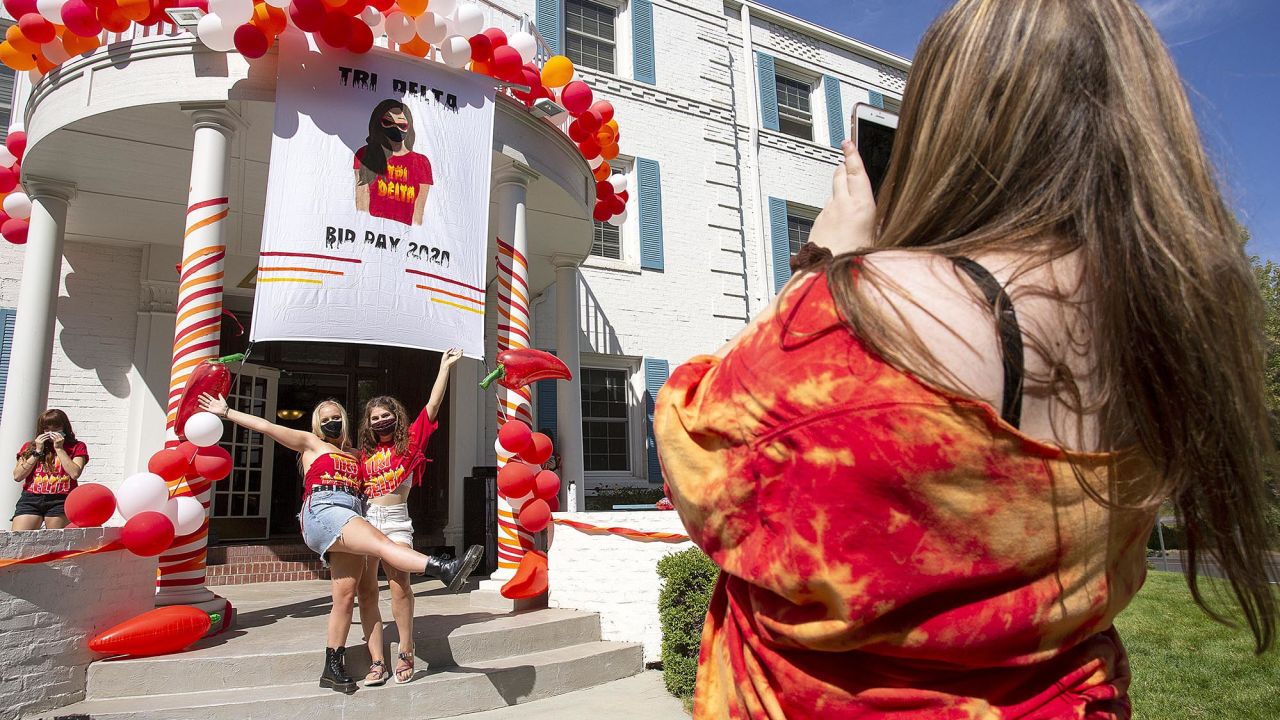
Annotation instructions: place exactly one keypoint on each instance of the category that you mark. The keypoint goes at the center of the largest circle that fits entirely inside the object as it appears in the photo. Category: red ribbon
(60, 555)
(628, 533)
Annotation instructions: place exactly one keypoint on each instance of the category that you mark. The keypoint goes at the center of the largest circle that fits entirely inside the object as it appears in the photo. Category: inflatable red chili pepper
(517, 368)
(212, 377)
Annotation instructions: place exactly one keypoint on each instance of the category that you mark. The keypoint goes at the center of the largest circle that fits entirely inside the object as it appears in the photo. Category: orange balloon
(76, 45)
(416, 47)
(412, 8)
(606, 136)
(268, 19)
(603, 172)
(19, 41)
(112, 17)
(481, 68)
(44, 64)
(134, 9)
(15, 58)
(609, 153)
(613, 124)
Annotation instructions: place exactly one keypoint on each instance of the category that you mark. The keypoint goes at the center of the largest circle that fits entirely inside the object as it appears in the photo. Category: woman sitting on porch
(332, 522)
(48, 468)
(391, 452)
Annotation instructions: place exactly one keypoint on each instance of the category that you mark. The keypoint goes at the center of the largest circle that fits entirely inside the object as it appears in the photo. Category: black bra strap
(1010, 336)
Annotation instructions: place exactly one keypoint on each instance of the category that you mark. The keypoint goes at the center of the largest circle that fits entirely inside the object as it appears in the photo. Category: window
(241, 495)
(798, 227)
(606, 431)
(589, 39)
(795, 116)
(606, 242)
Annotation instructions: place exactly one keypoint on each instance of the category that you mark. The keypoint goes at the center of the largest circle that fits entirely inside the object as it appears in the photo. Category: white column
(569, 394)
(31, 356)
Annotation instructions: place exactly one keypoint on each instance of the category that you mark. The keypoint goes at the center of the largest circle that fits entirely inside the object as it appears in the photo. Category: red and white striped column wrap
(513, 333)
(197, 333)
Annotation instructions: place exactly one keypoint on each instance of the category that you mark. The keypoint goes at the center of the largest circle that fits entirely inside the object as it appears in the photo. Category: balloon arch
(51, 32)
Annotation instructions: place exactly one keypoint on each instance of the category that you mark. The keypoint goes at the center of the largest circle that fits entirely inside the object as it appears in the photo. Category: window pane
(793, 95)
(589, 52)
(794, 128)
(252, 506)
(798, 232)
(220, 505)
(605, 421)
(607, 241)
(589, 18)
(237, 506)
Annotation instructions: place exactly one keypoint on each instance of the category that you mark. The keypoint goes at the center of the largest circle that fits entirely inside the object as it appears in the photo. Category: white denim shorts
(392, 521)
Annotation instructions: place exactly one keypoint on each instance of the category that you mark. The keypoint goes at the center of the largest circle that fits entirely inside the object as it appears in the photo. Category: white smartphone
(873, 130)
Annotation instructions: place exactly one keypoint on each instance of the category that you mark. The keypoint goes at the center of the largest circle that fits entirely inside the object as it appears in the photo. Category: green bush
(688, 577)
(605, 498)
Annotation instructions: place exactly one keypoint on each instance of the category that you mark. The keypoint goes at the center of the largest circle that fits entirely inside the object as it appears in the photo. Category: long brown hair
(55, 418)
(368, 439)
(1057, 127)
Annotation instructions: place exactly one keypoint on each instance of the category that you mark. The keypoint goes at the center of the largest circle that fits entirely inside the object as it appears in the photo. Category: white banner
(377, 203)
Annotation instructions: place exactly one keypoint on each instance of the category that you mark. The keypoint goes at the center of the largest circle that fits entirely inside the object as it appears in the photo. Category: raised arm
(27, 461)
(295, 440)
(447, 361)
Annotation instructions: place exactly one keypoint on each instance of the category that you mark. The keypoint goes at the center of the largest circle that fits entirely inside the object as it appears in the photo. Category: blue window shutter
(781, 244)
(655, 376)
(642, 41)
(547, 19)
(768, 91)
(877, 99)
(835, 110)
(7, 318)
(650, 179)
(546, 399)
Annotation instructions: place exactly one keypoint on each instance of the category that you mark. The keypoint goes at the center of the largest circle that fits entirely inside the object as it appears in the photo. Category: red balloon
(576, 97)
(604, 190)
(534, 81)
(589, 148)
(515, 436)
(481, 47)
(80, 19)
(553, 503)
(308, 15)
(170, 464)
(361, 37)
(601, 212)
(15, 231)
(147, 534)
(250, 41)
(497, 38)
(604, 109)
(515, 479)
(36, 28)
(336, 30)
(154, 632)
(576, 133)
(546, 485)
(624, 196)
(353, 8)
(535, 515)
(590, 122)
(212, 463)
(18, 8)
(188, 449)
(506, 63)
(616, 204)
(8, 180)
(90, 505)
(539, 449)
(382, 6)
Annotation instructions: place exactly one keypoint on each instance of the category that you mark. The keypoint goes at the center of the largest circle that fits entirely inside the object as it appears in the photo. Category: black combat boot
(335, 674)
(453, 572)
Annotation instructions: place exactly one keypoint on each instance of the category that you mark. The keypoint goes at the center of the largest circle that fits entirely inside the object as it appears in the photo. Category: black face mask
(331, 428)
(394, 134)
(384, 426)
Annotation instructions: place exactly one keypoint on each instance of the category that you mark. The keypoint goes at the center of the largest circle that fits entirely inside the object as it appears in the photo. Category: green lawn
(1187, 666)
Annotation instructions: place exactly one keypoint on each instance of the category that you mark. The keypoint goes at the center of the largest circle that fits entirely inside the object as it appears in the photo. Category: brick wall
(614, 576)
(48, 612)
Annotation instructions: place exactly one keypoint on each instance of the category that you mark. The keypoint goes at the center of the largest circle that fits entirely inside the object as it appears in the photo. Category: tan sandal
(380, 667)
(405, 665)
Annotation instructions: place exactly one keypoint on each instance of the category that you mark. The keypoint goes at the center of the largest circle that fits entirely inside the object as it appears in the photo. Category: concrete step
(469, 688)
(290, 650)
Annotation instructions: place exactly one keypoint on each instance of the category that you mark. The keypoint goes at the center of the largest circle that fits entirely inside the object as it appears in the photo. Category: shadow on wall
(597, 332)
(97, 332)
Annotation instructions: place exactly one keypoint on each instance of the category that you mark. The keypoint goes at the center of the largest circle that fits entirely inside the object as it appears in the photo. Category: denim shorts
(324, 514)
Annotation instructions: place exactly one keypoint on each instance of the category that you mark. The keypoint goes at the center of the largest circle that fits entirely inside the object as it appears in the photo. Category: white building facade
(731, 117)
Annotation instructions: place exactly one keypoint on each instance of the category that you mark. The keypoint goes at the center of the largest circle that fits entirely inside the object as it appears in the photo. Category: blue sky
(1227, 51)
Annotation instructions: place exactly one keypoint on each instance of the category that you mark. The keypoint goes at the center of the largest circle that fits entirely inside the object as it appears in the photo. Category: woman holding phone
(49, 468)
(929, 470)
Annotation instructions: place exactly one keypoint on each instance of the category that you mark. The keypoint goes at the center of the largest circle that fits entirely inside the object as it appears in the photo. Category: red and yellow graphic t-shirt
(385, 469)
(53, 480)
(888, 549)
(393, 195)
(333, 469)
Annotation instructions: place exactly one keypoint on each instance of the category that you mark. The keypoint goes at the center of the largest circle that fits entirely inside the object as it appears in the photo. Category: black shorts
(39, 504)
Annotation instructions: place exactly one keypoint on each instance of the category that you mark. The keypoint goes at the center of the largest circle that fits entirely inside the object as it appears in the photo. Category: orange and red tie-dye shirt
(890, 550)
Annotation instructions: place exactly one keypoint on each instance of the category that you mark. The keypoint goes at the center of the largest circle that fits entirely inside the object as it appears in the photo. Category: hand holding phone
(873, 130)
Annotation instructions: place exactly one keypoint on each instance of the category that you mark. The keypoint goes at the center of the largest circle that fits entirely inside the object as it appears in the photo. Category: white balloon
(54, 52)
(282, 4)
(186, 514)
(216, 34)
(618, 181)
(34, 75)
(371, 17)
(17, 205)
(469, 19)
(619, 219)
(141, 493)
(456, 51)
(203, 429)
(400, 28)
(6, 158)
(525, 44)
(432, 28)
(595, 162)
(234, 13)
(443, 7)
(51, 10)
